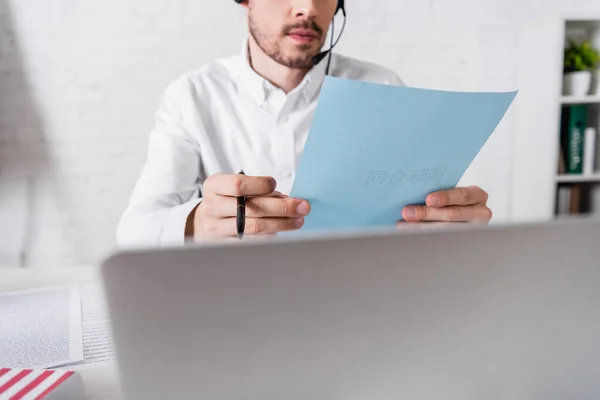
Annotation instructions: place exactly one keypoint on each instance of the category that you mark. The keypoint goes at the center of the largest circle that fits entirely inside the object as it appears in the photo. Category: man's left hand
(464, 204)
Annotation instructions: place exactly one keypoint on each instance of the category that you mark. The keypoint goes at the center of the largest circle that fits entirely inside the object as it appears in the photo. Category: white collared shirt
(222, 118)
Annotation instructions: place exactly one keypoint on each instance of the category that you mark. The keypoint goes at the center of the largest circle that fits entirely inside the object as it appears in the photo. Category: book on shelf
(573, 199)
(563, 204)
(562, 165)
(569, 200)
(573, 125)
(589, 152)
(578, 150)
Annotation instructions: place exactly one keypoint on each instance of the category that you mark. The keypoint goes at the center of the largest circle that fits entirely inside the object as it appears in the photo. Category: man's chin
(300, 62)
(299, 59)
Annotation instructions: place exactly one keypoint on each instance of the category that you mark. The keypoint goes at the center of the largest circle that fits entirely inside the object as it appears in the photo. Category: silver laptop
(469, 312)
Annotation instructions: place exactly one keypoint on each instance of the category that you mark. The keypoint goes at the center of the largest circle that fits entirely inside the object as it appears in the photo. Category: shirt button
(287, 174)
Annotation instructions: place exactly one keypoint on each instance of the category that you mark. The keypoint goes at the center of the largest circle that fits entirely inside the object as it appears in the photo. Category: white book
(564, 200)
(589, 152)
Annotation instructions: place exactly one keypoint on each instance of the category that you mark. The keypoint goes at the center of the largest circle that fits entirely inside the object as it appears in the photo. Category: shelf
(595, 99)
(578, 178)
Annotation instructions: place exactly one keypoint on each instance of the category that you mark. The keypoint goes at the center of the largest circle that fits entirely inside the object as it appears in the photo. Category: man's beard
(271, 47)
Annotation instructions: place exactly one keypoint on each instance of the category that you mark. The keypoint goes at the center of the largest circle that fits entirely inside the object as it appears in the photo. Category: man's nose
(305, 9)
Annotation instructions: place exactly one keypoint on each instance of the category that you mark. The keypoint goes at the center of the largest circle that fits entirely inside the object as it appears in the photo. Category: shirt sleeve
(167, 189)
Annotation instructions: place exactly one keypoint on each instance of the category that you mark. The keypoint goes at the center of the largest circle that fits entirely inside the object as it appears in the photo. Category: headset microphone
(319, 57)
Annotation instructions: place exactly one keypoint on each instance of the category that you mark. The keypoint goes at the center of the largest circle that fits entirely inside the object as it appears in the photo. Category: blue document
(373, 149)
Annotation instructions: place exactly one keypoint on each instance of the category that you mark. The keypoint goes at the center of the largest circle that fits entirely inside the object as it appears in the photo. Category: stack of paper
(98, 345)
(40, 328)
(64, 327)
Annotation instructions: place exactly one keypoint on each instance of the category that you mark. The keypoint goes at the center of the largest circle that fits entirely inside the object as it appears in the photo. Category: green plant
(580, 57)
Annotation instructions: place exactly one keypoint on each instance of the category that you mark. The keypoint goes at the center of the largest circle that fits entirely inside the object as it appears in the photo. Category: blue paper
(373, 149)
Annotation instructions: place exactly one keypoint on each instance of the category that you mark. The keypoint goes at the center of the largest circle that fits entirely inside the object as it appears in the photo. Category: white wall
(80, 81)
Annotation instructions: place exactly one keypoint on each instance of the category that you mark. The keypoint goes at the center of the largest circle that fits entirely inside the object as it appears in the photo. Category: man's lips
(303, 35)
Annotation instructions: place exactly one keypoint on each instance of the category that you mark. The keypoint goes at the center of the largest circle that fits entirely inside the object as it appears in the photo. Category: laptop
(461, 312)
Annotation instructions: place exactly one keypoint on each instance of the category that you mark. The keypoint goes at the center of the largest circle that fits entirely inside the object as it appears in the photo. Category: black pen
(241, 214)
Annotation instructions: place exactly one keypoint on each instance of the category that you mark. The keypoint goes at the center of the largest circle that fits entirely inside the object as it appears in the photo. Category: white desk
(100, 383)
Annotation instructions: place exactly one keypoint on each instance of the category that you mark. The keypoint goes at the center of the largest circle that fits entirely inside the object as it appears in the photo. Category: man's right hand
(267, 211)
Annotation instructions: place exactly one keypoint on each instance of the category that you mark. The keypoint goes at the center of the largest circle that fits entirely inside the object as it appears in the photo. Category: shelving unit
(571, 100)
(579, 193)
(576, 178)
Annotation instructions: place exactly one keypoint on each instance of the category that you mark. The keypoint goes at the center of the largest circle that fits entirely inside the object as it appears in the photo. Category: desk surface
(100, 383)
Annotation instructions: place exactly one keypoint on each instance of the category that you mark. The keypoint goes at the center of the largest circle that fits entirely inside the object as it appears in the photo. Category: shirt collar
(259, 86)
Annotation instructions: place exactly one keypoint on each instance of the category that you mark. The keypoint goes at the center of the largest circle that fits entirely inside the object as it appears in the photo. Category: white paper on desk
(98, 346)
(40, 328)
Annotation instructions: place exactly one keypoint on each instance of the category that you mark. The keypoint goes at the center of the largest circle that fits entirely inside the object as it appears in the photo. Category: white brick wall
(80, 81)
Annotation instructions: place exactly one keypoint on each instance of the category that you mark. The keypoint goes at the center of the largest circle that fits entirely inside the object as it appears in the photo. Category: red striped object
(27, 384)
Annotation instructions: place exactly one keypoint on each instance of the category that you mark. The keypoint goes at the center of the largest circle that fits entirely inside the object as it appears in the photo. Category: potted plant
(580, 59)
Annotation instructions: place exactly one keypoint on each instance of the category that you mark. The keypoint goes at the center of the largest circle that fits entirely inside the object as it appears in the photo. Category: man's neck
(279, 75)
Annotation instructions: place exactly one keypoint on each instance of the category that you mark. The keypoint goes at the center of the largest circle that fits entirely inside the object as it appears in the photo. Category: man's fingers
(258, 207)
(462, 196)
(278, 194)
(447, 214)
(254, 226)
(262, 226)
(239, 185)
(261, 207)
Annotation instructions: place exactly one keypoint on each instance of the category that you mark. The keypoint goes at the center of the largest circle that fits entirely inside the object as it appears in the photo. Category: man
(252, 112)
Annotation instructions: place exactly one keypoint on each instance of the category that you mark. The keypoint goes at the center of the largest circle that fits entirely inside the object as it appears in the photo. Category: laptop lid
(503, 312)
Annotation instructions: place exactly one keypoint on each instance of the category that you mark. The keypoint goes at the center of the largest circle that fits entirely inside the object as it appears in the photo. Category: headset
(319, 57)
